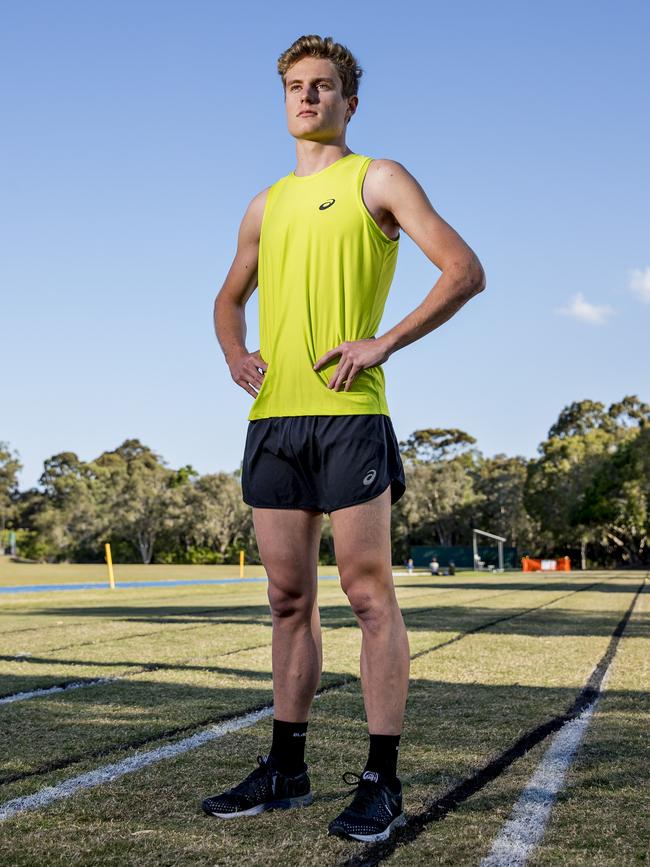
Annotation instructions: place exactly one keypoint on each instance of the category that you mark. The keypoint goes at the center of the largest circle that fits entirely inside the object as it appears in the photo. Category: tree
(435, 444)
(630, 412)
(501, 481)
(560, 491)
(208, 512)
(440, 498)
(617, 502)
(578, 419)
(10, 466)
(136, 492)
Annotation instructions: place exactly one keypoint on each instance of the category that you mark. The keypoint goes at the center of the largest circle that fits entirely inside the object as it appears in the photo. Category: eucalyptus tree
(208, 512)
(576, 453)
(10, 466)
(440, 501)
(501, 482)
(136, 493)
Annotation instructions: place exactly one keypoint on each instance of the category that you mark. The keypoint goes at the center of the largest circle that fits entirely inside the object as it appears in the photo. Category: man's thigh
(289, 541)
(362, 539)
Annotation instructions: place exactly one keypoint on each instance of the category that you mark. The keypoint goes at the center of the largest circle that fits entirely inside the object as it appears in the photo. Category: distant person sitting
(434, 567)
(452, 568)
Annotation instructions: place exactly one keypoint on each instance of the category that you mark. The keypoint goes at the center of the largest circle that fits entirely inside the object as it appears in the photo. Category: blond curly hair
(316, 46)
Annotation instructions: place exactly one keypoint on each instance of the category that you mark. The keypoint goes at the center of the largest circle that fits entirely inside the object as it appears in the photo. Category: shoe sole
(372, 838)
(284, 804)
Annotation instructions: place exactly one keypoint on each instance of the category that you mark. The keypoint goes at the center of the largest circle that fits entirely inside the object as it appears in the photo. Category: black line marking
(30, 612)
(460, 793)
(168, 623)
(160, 736)
(487, 625)
(141, 668)
(142, 741)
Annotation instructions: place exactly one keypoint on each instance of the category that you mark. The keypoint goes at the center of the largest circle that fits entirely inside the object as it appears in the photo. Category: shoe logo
(326, 205)
(373, 776)
(369, 478)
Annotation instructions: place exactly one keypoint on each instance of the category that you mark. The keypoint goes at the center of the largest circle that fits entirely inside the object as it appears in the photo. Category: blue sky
(135, 135)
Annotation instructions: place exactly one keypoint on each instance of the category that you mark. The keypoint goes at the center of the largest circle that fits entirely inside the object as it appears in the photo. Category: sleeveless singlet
(324, 271)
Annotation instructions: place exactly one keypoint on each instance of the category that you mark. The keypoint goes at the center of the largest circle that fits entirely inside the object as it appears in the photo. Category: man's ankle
(382, 756)
(288, 747)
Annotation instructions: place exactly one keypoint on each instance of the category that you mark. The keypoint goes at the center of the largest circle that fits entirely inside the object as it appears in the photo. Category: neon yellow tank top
(324, 271)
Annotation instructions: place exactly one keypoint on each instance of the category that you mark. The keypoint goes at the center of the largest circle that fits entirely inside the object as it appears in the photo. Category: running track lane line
(525, 828)
(133, 763)
(464, 790)
(37, 693)
(29, 658)
(126, 766)
(54, 766)
(139, 668)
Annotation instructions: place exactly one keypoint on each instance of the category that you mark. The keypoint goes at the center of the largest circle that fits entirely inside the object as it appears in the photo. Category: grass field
(494, 657)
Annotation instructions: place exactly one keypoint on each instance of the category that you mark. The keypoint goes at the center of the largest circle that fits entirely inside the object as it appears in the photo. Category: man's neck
(312, 157)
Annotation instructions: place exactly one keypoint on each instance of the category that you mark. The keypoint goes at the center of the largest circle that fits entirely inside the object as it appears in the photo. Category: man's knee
(371, 596)
(290, 604)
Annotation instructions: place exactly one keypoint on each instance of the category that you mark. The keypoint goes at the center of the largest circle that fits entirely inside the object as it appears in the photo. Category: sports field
(162, 685)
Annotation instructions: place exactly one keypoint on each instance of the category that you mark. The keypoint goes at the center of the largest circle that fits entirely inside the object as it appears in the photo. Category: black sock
(288, 747)
(382, 756)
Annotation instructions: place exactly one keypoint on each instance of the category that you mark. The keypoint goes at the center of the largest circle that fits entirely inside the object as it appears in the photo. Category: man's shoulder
(387, 183)
(259, 200)
(385, 168)
(384, 175)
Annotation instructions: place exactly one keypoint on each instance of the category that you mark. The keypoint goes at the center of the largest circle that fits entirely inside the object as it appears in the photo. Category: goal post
(499, 540)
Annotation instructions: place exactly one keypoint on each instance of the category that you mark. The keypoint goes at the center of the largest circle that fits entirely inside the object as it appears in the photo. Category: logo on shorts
(326, 205)
(369, 478)
(373, 776)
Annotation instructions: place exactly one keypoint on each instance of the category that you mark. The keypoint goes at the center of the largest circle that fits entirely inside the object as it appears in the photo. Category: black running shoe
(263, 789)
(375, 811)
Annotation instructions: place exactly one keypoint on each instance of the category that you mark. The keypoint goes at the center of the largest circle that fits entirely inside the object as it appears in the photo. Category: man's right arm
(240, 283)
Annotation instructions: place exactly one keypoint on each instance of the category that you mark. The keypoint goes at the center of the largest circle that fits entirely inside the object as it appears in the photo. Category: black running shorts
(320, 462)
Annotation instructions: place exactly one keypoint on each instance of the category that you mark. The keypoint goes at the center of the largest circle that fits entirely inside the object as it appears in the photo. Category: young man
(322, 245)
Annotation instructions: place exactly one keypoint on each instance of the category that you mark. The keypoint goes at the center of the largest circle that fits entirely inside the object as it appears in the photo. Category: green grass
(13, 574)
(186, 656)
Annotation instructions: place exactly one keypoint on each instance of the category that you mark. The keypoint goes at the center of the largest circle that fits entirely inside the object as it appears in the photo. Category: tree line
(586, 495)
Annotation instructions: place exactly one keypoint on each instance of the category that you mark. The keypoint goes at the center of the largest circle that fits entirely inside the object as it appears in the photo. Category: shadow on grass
(523, 586)
(431, 618)
(449, 726)
(64, 728)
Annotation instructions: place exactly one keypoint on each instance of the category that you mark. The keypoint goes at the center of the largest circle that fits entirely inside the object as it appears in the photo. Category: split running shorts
(320, 462)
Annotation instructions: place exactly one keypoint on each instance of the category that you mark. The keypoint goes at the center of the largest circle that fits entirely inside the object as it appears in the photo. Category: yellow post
(241, 563)
(109, 560)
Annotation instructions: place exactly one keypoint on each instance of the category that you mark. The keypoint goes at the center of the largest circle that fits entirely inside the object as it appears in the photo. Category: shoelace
(367, 791)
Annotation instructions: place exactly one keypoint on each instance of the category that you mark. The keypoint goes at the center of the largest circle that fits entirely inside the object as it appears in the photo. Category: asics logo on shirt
(326, 205)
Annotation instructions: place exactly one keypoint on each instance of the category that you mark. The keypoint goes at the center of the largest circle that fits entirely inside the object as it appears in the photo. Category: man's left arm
(462, 277)
(396, 191)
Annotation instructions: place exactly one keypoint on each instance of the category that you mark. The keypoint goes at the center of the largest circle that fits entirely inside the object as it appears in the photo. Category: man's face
(316, 109)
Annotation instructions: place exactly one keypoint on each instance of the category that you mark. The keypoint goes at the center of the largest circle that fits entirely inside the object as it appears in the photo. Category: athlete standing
(322, 243)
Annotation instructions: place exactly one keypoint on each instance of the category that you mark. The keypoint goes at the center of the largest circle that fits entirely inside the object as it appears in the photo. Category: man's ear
(352, 107)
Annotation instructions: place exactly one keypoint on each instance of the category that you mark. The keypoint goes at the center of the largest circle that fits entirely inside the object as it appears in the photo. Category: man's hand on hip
(356, 355)
(245, 370)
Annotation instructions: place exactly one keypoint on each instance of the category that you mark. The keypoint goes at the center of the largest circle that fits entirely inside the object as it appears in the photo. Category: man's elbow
(478, 282)
(470, 277)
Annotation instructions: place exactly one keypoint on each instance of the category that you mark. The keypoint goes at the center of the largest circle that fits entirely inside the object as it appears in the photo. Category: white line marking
(527, 823)
(127, 766)
(37, 693)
